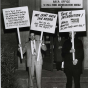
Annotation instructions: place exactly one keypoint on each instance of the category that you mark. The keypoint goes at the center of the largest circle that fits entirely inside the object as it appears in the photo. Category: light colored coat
(28, 51)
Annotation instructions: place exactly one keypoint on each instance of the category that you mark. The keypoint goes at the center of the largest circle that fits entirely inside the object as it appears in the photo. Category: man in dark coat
(73, 68)
(58, 42)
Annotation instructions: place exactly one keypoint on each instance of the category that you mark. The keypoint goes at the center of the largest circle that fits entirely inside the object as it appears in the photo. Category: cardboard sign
(16, 17)
(63, 3)
(42, 21)
(72, 20)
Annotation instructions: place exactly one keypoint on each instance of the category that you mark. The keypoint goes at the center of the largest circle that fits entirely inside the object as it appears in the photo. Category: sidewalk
(50, 79)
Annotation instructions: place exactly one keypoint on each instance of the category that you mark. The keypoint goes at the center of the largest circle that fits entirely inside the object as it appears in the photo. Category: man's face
(32, 36)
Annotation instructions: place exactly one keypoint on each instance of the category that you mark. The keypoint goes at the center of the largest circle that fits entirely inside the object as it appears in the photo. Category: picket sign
(72, 21)
(15, 18)
(43, 22)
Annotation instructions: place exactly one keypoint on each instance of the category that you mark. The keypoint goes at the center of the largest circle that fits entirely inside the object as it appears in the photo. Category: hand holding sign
(75, 61)
(20, 43)
(72, 50)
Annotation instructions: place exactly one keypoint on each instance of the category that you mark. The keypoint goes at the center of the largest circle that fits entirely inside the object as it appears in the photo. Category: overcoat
(67, 56)
(28, 51)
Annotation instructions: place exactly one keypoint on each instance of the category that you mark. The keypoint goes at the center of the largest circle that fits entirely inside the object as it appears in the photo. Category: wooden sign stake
(73, 44)
(19, 42)
(39, 46)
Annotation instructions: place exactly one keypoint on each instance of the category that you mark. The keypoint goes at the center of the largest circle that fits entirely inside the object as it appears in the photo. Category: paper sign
(63, 3)
(72, 20)
(42, 21)
(16, 17)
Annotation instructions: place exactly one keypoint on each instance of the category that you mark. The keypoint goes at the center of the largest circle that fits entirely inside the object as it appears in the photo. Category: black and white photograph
(44, 44)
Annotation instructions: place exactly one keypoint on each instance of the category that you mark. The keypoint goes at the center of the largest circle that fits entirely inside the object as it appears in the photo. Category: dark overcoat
(58, 49)
(67, 56)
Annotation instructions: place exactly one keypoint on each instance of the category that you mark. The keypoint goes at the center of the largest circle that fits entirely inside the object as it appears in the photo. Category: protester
(31, 49)
(73, 68)
(58, 42)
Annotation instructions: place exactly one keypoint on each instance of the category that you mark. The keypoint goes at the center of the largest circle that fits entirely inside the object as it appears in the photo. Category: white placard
(72, 21)
(63, 3)
(16, 17)
(42, 21)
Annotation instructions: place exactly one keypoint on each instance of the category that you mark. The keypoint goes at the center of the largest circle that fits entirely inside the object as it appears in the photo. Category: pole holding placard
(73, 44)
(39, 46)
(19, 42)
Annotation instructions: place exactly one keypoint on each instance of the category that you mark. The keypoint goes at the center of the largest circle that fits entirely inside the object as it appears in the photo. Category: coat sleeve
(65, 49)
(79, 51)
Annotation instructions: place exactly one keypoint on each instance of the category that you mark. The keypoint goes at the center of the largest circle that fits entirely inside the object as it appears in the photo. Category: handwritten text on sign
(72, 20)
(16, 17)
(42, 21)
(63, 3)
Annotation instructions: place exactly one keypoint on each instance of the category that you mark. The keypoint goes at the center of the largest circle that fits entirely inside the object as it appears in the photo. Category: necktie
(34, 50)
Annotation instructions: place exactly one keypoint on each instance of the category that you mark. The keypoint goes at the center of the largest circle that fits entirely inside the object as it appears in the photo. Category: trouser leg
(31, 75)
(69, 79)
(76, 76)
(58, 65)
(38, 74)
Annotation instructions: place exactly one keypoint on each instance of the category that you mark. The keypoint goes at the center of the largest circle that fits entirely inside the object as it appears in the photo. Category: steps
(50, 79)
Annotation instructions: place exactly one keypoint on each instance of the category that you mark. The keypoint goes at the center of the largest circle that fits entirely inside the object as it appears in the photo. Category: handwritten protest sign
(15, 18)
(72, 20)
(63, 3)
(42, 21)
